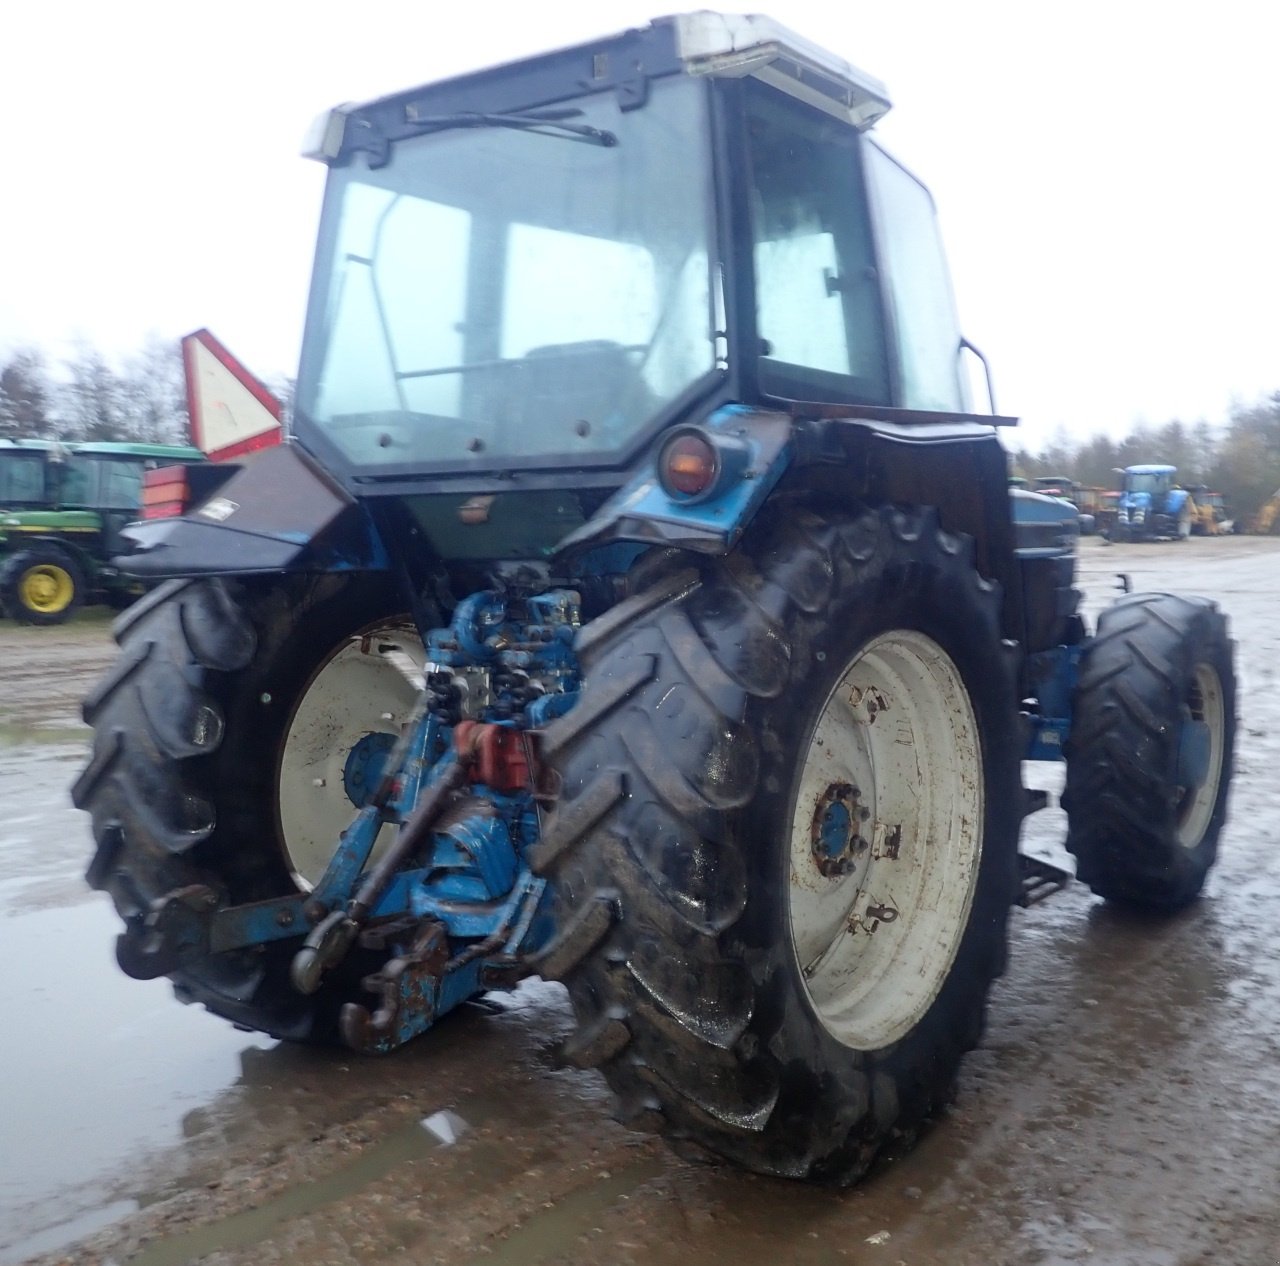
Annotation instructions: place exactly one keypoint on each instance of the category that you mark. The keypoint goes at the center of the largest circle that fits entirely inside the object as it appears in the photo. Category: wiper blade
(542, 122)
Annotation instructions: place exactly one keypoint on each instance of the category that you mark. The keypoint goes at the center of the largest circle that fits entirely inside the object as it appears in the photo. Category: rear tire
(41, 585)
(1145, 810)
(712, 898)
(187, 778)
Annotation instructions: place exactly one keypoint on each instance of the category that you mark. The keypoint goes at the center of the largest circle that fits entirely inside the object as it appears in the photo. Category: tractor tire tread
(1121, 789)
(666, 1003)
(169, 799)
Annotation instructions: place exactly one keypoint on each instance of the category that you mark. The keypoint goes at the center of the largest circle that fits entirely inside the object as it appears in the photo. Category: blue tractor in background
(638, 604)
(1152, 507)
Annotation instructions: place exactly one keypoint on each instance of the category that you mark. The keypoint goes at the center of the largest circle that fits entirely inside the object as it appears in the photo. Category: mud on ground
(1123, 1108)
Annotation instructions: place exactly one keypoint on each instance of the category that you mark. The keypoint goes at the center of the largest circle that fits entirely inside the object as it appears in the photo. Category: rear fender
(842, 457)
(280, 511)
(83, 558)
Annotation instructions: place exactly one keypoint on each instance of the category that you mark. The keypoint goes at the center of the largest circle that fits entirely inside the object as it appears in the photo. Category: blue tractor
(638, 605)
(1152, 507)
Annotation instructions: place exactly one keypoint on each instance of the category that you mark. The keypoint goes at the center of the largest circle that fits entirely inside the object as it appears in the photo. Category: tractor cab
(28, 473)
(542, 266)
(1152, 506)
(1144, 484)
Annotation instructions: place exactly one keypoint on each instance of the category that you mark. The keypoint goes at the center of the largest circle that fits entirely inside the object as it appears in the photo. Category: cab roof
(698, 43)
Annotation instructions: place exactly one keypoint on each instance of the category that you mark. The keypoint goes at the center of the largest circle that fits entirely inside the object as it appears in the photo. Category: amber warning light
(694, 465)
(688, 465)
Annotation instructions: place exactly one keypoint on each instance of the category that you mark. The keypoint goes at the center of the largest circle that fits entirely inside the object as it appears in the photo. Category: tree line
(1239, 458)
(87, 397)
(142, 398)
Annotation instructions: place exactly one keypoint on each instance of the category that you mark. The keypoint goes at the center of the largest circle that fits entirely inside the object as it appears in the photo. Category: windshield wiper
(542, 122)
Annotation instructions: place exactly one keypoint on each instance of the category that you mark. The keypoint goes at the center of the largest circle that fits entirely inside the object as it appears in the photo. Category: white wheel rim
(875, 943)
(1197, 804)
(363, 687)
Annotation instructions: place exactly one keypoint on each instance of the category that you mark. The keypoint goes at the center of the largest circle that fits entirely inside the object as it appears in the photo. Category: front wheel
(785, 853)
(41, 585)
(1150, 754)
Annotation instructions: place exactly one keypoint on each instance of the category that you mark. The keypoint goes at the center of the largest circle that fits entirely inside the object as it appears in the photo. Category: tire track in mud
(44, 673)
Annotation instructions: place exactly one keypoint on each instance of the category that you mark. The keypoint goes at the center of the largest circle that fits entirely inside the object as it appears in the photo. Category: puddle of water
(44, 842)
(67, 1232)
(541, 1239)
(96, 1066)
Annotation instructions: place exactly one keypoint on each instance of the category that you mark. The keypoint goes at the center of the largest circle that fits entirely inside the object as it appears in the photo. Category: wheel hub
(834, 834)
(364, 766)
(44, 589)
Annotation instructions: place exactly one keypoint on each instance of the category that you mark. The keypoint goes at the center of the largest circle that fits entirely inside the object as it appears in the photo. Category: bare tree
(1247, 470)
(92, 402)
(24, 396)
(154, 393)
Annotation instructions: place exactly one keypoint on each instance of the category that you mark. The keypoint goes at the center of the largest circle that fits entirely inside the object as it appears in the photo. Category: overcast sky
(1105, 173)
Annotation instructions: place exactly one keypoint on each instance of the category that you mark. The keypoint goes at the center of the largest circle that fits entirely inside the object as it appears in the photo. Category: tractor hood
(16, 523)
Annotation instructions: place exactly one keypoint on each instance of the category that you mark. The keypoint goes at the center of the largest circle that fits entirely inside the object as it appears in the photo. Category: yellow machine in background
(1268, 518)
(1209, 515)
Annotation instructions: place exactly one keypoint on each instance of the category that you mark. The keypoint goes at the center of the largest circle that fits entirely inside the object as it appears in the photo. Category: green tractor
(62, 509)
(637, 604)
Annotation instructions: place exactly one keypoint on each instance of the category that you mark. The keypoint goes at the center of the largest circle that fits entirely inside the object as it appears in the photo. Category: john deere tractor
(62, 509)
(638, 605)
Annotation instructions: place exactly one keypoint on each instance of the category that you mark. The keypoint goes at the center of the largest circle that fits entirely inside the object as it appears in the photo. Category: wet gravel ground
(1124, 1107)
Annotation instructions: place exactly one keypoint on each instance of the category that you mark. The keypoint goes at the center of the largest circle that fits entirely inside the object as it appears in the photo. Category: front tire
(740, 838)
(41, 585)
(203, 771)
(1151, 750)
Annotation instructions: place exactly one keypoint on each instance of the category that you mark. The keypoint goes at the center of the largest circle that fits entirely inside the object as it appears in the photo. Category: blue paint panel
(642, 511)
(363, 769)
(836, 829)
(728, 514)
(1055, 674)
